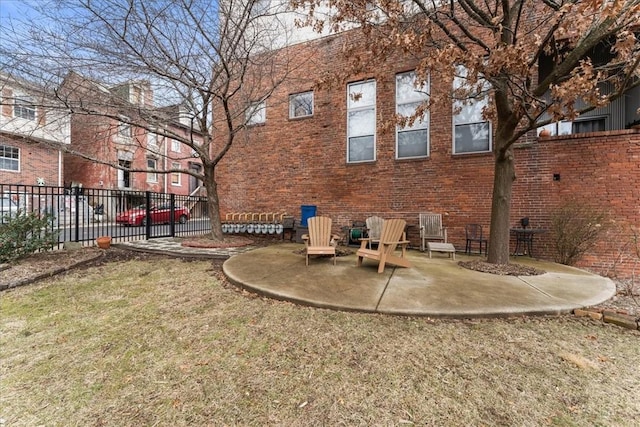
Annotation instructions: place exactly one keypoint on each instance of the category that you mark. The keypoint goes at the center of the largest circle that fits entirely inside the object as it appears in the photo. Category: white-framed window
(152, 165)
(175, 146)
(153, 140)
(472, 133)
(176, 176)
(24, 108)
(9, 158)
(361, 121)
(124, 176)
(301, 105)
(256, 113)
(411, 140)
(124, 129)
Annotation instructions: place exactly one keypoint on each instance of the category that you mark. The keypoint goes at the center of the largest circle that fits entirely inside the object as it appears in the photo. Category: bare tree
(535, 61)
(196, 53)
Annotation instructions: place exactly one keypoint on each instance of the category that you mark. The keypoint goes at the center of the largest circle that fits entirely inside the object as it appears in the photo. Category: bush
(26, 234)
(575, 227)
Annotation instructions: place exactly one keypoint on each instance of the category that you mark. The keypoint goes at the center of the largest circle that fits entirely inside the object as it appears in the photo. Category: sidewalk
(436, 287)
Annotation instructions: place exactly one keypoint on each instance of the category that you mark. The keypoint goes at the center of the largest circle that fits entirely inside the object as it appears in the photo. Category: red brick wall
(36, 161)
(283, 164)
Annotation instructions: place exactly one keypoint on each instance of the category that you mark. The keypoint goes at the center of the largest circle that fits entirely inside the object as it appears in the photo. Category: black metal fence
(83, 214)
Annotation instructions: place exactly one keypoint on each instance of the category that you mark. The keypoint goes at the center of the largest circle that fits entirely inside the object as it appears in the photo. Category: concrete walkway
(436, 287)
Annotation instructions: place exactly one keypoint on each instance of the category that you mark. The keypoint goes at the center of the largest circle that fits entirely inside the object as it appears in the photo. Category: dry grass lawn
(160, 341)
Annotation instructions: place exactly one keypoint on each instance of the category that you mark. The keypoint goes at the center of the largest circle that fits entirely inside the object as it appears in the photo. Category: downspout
(60, 165)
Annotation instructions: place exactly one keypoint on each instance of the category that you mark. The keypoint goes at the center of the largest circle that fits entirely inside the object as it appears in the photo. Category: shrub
(25, 234)
(575, 227)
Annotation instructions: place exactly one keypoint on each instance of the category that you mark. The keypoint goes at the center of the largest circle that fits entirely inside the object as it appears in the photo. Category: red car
(158, 215)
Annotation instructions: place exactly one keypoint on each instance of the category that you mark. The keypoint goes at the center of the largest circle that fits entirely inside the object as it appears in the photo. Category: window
(411, 140)
(124, 129)
(256, 113)
(301, 105)
(152, 165)
(124, 176)
(24, 108)
(175, 146)
(472, 134)
(9, 158)
(175, 176)
(361, 121)
(152, 139)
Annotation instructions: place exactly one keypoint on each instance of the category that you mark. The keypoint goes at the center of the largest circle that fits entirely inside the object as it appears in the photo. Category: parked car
(8, 208)
(158, 215)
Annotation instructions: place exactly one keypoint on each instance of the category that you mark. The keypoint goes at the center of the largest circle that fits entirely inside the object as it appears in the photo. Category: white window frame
(7, 159)
(176, 147)
(361, 107)
(124, 129)
(152, 140)
(469, 114)
(256, 114)
(177, 175)
(403, 104)
(297, 104)
(24, 108)
(152, 164)
(566, 127)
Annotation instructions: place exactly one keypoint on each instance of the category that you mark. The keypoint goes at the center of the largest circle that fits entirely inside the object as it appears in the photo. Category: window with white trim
(24, 108)
(124, 129)
(175, 146)
(361, 121)
(411, 140)
(176, 176)
(152, 140)
(301, 105)
(9, 158)
(472, 133)
(152, 165)
(256, 113)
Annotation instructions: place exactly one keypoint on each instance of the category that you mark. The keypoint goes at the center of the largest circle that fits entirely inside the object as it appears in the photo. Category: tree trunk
(504, 176)
(213, 203)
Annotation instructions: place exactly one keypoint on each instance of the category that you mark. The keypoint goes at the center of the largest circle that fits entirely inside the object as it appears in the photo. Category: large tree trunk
(504, 176)
(213, 203)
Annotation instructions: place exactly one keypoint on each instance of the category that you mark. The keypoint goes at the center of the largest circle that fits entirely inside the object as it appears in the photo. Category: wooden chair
(431, 229)
(318, 241)
(473, 234)
(391, 237)
(374, 229)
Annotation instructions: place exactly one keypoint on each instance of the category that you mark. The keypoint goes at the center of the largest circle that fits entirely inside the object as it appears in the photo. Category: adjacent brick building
(30, 135)
(112, 137)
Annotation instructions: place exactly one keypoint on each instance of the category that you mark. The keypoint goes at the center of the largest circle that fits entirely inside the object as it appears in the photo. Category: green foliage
(25, 234)
(576, 227)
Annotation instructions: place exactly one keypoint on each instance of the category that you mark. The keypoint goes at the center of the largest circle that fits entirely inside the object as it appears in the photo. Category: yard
(151, 340)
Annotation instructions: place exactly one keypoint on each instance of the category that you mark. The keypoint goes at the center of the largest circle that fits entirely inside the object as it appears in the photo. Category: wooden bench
(441, 247)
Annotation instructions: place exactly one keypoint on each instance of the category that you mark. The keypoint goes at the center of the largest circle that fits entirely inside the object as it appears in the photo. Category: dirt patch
(511, 269)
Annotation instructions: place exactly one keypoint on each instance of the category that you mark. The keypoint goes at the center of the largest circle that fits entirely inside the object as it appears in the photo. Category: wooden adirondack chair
(318, 241)
(431, 229)
(392, 236)
(374, 229)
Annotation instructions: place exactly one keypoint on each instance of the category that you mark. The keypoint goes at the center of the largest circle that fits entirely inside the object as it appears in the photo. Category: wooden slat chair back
(431, 229)
(374, 229)
(392, 236)
(318, 241)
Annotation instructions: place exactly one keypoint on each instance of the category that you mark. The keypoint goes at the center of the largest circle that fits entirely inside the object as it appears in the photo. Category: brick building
(323, 147)
(119, 134)
(30, 135)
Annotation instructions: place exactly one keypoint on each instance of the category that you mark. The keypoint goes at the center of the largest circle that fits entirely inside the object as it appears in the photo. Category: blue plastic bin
(307, 211)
